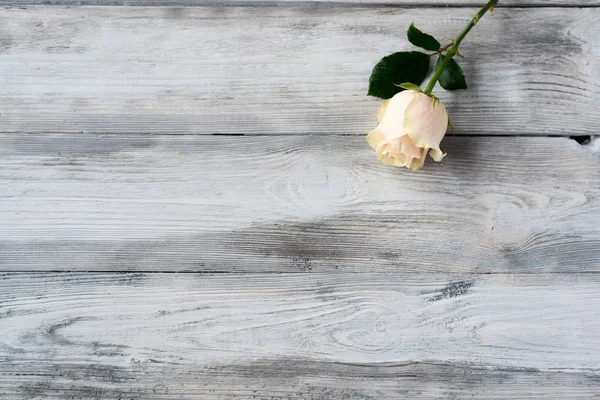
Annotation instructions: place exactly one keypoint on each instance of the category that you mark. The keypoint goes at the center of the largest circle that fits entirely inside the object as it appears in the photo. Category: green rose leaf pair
(412, 67)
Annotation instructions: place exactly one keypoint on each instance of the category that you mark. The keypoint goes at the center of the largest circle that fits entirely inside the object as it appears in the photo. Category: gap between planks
(579, 138)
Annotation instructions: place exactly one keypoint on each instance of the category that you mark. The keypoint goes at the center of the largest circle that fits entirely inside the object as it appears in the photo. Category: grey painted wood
(203, 70)
(323, 274)
(337, 3)
(295, 204)
(290, 378)
(308, 336)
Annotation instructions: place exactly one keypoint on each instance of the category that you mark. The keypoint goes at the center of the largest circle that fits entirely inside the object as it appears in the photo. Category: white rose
(411, 124)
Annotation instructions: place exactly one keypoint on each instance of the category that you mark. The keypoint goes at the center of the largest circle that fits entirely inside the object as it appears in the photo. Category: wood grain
(312, 3)
(204, 70)
(310, 336)
(284, 379)
(295, 204)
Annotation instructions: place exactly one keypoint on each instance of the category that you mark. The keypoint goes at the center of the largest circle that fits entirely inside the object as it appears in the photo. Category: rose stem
(455, 43)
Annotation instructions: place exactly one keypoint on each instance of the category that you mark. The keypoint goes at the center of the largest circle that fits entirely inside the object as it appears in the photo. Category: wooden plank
(337, 3)
(284, 70)
(294, 204)
(264, 336)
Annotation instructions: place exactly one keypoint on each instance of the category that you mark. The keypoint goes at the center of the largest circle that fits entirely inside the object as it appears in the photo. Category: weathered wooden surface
(306, 269)
(202, 70)
(291, 378)
(310, 3)
(309, 336)
(289, 204)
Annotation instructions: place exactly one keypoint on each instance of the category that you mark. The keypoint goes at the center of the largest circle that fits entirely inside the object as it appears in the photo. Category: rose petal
(375, 137)
(417, 163)
(408, 147)
(392, 122)
(390, 155)
(425, 122)
(382, 109)
(411, 126)
(437, 154)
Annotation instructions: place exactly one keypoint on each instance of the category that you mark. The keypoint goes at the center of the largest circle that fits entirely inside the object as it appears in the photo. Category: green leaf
(421, 39)
(452, 77)
(410, 86)
(404, 66)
